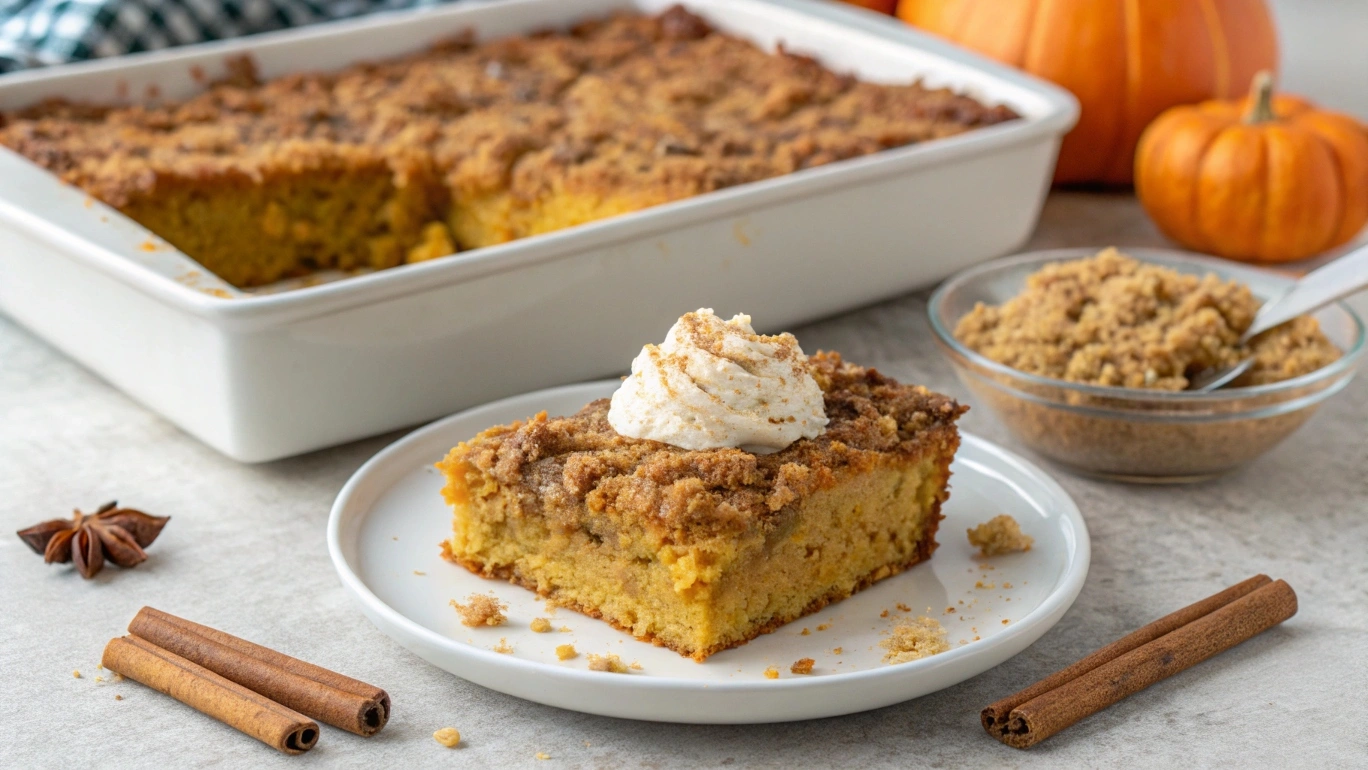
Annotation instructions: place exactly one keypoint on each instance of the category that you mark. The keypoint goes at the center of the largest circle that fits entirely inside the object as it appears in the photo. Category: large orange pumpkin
(1125, 60)
(1264, 179)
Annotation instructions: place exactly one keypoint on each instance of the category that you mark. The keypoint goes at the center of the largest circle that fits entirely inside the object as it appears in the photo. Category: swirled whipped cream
(716, 383)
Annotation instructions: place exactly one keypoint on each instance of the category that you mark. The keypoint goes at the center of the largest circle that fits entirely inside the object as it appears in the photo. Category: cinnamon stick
(262, 718)
(324, 695)
(1153, 653)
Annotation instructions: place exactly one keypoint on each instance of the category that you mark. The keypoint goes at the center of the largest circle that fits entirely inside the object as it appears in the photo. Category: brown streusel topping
(631, 101)
(681, 494)
(1113, 320)
(1000, 534)
(480, 610)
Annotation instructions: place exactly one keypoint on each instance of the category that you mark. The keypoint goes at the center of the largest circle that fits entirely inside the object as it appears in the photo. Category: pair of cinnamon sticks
(266, 694)
(1155, 652)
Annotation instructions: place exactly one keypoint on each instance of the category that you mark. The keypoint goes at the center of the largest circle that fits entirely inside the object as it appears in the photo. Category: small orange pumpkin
(1125, 60)
(1262, 179)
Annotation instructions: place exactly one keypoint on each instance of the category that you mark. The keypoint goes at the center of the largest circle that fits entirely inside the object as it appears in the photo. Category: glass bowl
(1130, 434)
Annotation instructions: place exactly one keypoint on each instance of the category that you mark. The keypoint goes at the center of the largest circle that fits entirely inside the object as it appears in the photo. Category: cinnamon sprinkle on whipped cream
(714, 384)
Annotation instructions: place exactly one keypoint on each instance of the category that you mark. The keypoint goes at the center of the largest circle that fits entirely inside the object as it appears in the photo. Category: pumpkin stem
(1261, 99)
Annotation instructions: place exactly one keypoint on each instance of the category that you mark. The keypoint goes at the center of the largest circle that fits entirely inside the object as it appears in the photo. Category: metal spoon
(1315, 290)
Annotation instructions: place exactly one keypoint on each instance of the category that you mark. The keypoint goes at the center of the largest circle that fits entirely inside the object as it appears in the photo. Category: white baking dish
(272, 374)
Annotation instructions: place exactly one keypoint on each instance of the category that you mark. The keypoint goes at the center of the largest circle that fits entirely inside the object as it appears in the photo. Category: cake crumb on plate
(480, 610)
(771, 673)
(541, 625)
(566, 651)
(802, 666)
(1000, 534)
(914, 640)
(503, 647)
(610, 663)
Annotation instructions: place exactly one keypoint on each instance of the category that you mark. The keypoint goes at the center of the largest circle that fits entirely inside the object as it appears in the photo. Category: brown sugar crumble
(566, 651)
(1113, 320)
(914, 640)
(610, 663)
(541, 625)
(802, 666)
(771, 673)
(480, 610)
(1000, 534)
(471, 143)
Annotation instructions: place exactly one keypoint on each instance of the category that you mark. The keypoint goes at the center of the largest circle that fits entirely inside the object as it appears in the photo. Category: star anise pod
(119, 534)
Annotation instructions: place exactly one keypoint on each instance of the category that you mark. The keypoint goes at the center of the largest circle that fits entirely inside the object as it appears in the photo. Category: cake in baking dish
(470, 144)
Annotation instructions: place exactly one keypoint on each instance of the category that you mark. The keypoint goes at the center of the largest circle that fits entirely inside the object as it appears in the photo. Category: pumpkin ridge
(1220, 50)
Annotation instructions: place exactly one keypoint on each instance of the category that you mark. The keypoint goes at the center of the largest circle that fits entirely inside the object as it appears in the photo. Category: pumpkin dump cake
(470, 144)
(808, 479)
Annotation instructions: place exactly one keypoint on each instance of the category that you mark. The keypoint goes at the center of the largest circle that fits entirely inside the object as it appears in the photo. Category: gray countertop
(246, 553)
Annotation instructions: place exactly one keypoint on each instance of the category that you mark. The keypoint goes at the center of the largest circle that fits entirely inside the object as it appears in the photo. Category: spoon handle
(1336, 280)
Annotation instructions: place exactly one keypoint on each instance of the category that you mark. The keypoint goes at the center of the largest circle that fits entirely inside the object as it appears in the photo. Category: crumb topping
(566, 464)
(480, 610)
(913, 640)
(1000, 534)
(1113, 320)
(610, 105)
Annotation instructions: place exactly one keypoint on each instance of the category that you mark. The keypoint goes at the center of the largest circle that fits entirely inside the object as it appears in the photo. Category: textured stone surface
(246, 553)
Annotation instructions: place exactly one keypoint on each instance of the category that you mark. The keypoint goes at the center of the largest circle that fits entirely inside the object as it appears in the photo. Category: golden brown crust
(580, 466)
(648, 109)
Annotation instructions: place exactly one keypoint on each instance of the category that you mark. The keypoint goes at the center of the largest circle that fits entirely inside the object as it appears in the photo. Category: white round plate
(388, 520)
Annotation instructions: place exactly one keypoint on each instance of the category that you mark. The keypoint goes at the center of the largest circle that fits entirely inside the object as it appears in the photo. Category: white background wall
(1325, 51)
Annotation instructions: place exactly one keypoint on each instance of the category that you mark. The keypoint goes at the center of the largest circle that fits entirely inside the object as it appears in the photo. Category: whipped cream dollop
(716, 383)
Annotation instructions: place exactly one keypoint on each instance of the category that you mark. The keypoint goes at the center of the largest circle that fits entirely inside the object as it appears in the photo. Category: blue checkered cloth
(36, 33)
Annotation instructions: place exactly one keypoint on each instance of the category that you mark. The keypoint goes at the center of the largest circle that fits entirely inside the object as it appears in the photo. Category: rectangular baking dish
(271, 374)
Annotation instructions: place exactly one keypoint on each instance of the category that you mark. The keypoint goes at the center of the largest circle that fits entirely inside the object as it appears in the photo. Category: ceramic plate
(386, 525)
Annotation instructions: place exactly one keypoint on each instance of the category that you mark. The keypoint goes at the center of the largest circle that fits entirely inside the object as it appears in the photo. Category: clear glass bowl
(1131, 434)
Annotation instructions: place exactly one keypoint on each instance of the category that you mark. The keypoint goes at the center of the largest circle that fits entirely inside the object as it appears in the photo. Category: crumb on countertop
(541, 625)
(76, 673)
(543, 755)
(802, 666)
(914, 640)
(481, 610)
(610, 663)
(566, 651)
(447, 736)
(1000, 534)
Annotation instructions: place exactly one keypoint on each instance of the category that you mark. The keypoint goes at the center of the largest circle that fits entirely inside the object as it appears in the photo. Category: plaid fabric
(35, 33)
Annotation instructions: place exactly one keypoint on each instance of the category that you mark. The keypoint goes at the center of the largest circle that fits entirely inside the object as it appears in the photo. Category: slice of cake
(701, 549)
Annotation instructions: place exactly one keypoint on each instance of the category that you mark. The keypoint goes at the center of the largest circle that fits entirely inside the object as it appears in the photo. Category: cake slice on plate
(731, 485)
